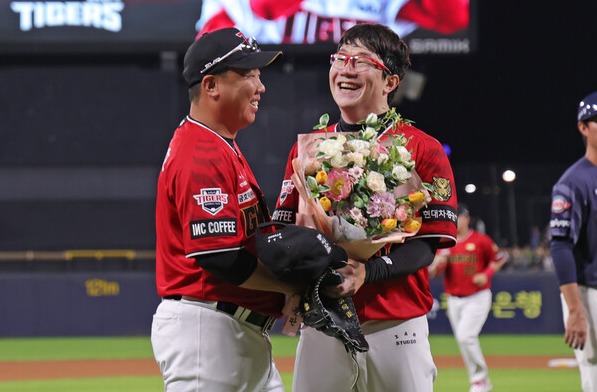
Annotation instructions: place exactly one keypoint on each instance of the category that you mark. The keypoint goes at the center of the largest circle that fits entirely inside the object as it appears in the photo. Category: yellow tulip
(411, 225)
(416, 197)
(388, 224)
(325, 203)
(321, 177)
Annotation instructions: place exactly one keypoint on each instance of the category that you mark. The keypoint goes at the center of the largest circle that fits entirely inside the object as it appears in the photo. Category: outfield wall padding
(122, 303)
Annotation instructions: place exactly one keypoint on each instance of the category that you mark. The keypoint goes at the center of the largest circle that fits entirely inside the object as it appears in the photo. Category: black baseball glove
(336, 317)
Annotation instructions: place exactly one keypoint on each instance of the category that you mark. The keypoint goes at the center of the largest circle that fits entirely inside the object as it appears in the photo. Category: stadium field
(518, 363)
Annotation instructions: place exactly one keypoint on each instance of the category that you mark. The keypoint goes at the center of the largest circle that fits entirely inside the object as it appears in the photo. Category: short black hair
(385, 43)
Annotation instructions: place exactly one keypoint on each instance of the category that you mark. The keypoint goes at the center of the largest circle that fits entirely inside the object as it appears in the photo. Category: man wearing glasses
(390, 290)
(210, 332)
(573, 228)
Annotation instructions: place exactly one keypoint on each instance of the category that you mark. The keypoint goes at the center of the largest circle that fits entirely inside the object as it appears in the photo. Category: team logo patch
(469, 247)
(213, 227)
(287, 188)
(212, 200)
(442, 188)
(559, 204)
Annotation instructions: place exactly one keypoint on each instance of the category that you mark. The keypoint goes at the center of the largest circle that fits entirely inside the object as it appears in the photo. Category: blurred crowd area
(533, 254)
(527, 257)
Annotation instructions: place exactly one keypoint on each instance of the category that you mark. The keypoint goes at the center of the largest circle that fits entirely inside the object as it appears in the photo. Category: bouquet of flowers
(361, 191)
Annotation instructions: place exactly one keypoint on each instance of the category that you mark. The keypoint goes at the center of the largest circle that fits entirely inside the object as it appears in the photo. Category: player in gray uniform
(573, 228)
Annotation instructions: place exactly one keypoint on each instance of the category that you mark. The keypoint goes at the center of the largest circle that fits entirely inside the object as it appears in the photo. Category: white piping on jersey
(214, 132)
(207, 252)
(432, 236)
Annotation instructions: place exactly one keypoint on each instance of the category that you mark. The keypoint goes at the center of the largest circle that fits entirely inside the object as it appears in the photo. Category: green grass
(48, 349)
(101, 384)
(449, 380)
(506, 345)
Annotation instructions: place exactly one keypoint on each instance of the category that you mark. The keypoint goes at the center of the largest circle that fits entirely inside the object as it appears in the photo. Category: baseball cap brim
(253, 60)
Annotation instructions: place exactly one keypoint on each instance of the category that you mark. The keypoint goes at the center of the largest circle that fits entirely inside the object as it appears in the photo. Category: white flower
(371, 119)
(382, 158)
(339, 160)
(404, 154)
(330, 147)
(369, 133)
(376, 182)
(357, 145)
(341, 139)
(357, 158)
(400, 173)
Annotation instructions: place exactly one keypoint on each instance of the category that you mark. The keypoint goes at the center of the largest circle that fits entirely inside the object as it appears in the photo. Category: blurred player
(210, 332)
(573, 229)
(310, 21)
(391, 289)
(468, 268)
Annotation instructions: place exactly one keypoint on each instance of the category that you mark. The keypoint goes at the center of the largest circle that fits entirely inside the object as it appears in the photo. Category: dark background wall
(82, 137)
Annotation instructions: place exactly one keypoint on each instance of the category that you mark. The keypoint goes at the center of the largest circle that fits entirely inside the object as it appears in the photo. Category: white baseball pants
(586, 358)
(399, 360)
(200, 349)
(467, 316)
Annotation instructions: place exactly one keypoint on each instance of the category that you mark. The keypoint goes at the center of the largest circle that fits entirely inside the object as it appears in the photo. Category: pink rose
(340, 184)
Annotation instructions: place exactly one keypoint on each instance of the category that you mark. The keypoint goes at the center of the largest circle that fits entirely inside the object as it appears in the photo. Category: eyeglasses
(359, 62)
(244, 47)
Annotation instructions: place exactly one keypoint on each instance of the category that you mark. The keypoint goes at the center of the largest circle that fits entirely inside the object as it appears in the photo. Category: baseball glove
(336, 317)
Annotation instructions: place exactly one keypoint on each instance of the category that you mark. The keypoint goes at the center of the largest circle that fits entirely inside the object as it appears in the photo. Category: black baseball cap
(220, 49)
(297, 254)
(587, 108)
(463, 209)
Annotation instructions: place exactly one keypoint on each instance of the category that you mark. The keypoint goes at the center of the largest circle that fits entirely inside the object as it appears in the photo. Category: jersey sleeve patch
(287, 188)
(439, 212)
(213, 227)
(212, 200)
(285, 215)
(442, 188)
(559, 204)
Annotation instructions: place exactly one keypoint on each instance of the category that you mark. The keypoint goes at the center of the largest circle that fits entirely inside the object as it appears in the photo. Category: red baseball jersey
(470, 256)
(408, 297)
(208, 201)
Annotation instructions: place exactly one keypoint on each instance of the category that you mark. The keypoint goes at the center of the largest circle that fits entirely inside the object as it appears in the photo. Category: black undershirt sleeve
(403, 260)
(233, 267)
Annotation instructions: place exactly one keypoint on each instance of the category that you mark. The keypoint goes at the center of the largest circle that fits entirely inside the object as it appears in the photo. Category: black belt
(261, 320)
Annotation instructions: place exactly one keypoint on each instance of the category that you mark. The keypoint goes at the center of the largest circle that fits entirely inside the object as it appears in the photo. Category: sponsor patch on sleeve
(439, 212)
(285, 215)
(559, 204)
(213, 228)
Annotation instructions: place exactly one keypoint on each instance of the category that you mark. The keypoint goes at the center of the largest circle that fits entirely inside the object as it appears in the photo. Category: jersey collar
(229, 142)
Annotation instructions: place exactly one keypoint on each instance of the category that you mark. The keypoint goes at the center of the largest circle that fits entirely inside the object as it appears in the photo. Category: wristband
(489, 272)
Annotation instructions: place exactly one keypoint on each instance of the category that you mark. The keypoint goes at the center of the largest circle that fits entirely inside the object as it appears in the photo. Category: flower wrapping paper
(352, 238)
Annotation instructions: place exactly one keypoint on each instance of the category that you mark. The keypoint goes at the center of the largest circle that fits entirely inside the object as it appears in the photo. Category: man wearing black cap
(573, 228)
(468, 268)
(210, 332)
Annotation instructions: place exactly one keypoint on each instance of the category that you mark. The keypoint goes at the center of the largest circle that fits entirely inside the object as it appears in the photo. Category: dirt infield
(44, 370)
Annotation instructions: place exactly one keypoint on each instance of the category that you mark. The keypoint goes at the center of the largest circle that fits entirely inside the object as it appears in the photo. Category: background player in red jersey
(210, 332)
(391, 289)
(468, 268)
